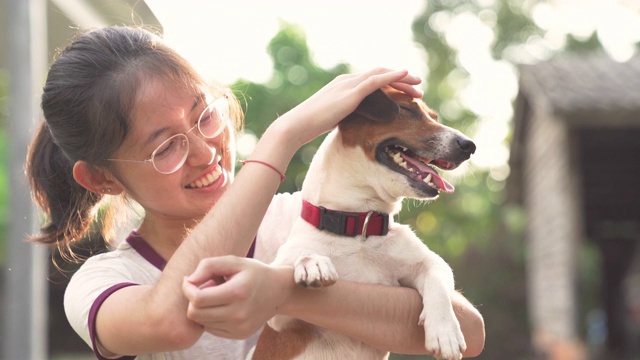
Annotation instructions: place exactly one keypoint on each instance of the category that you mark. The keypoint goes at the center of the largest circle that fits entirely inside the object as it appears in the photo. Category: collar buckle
(337, 222)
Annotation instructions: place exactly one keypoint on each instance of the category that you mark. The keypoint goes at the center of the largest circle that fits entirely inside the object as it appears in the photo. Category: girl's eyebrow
(156, 134)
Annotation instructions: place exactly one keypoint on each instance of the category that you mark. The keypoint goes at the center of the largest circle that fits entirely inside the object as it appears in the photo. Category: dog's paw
(443, 337)
(314, 271)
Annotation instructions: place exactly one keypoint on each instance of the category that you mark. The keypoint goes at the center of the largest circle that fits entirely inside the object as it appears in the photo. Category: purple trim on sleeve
(139, 244)
(94, 312)
(252, 249)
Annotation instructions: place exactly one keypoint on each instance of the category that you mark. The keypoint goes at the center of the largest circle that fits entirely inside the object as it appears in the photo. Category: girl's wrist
(288, 287)
(277, 145)
(287, 129)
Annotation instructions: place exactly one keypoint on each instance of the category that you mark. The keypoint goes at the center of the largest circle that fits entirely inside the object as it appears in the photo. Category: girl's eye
(210, 122)
(165, 148)
(206, 118)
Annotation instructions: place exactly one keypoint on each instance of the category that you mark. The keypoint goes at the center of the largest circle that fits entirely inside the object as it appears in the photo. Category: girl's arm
(143, 319)
(382, 316)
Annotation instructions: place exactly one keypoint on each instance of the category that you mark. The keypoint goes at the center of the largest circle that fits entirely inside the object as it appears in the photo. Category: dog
(385, 151)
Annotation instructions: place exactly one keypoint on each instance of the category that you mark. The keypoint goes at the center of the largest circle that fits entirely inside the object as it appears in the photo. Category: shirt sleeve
(276, 225)
(89, 287)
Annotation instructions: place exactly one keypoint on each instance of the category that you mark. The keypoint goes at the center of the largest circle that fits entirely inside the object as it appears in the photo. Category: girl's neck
(165, 236)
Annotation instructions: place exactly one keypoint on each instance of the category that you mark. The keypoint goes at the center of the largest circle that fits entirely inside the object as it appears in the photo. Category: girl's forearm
(246, 201)
(382, 316)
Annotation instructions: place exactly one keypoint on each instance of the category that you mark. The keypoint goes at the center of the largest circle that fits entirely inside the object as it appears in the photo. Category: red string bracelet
(282, 177)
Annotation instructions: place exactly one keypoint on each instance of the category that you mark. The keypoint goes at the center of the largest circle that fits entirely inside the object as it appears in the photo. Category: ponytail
(68, 207)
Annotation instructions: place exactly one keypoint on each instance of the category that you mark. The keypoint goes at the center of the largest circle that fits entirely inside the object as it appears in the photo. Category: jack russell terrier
(385, 151)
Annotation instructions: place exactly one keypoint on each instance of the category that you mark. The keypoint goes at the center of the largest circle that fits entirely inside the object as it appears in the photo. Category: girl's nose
(201, 151)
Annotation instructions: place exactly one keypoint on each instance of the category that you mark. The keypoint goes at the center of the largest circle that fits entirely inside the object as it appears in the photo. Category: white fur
(342, 178)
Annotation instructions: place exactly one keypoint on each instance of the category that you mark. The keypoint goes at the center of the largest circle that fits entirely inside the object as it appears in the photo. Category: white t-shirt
(134, 262)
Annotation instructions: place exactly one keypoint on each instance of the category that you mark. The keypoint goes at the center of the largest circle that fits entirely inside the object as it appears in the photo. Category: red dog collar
(345, 223)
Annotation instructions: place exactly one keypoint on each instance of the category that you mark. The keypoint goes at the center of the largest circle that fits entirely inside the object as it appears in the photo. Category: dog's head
(403, 135)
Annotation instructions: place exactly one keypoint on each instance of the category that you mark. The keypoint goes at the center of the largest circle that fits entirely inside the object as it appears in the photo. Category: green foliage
(480, 234)
(473, 213)
(589, 45)
(513, 24)
(295, 78)
(474, 229)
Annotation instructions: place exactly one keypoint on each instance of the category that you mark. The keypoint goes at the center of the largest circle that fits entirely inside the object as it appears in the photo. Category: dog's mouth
(419, 169)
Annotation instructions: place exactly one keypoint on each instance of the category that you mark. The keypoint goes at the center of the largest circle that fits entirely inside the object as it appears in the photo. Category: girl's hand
(238, 307)
(323, 110)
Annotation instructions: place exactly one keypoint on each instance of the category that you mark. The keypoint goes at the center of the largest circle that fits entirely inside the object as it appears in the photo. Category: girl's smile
(214, 177)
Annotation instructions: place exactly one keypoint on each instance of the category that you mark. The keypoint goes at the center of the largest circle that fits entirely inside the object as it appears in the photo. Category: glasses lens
(214, 118)
(171, 154)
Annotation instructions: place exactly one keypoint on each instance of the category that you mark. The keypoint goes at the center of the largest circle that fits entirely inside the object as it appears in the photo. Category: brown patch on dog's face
(413, 120)
(403, 134)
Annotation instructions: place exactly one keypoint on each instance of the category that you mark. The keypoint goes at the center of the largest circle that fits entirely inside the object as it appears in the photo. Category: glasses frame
(184, 140)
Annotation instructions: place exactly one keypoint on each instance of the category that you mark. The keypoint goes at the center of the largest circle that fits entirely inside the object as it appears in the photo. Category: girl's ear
(96, 179)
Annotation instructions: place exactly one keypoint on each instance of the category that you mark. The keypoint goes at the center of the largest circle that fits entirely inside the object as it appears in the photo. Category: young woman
(127, 118)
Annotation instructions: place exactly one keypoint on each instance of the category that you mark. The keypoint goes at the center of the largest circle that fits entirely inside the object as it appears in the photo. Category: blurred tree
(475, 230)
(295, 78)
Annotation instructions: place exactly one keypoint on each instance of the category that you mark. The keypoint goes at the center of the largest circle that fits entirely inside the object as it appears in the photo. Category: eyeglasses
(172, 153)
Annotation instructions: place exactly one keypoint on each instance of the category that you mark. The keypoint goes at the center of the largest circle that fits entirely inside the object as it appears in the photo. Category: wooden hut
(575, 168)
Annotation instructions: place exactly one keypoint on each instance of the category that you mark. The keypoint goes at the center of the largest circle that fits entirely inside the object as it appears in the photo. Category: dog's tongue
(425, 169)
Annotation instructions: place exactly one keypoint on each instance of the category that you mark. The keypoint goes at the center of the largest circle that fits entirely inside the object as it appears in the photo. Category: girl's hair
(89, 94)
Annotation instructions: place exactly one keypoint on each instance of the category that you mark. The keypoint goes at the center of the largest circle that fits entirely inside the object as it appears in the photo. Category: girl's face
(162, 111)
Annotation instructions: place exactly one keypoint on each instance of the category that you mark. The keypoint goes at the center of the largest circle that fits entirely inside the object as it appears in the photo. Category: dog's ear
(378, 106)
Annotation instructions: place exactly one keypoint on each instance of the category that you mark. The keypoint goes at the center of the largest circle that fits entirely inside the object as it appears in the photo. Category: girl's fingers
(209, 296)
(411, 80)
(399, 79)
(214, 267)
(340, 97)
(408, 89)
(210, 316)
(378, 78)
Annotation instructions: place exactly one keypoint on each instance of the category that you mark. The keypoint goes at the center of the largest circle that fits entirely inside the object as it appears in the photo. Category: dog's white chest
(376, 259)
(367, 260)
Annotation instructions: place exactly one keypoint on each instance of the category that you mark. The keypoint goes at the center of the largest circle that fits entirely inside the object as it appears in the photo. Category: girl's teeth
(208, 179)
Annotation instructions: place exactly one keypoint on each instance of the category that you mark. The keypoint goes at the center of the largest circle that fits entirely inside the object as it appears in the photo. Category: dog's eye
(414, 112)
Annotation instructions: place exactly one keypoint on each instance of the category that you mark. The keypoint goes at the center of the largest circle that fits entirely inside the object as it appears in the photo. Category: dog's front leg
(310, 267)
(443, 337)
(314, 270)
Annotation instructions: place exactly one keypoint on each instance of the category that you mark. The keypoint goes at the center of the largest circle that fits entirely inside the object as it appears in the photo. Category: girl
(127, 117)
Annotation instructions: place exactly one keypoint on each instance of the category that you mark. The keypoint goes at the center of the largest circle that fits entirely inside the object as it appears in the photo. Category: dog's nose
(466, 145)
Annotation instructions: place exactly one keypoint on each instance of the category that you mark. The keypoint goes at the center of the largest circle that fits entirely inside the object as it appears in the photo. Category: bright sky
(226, 40)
